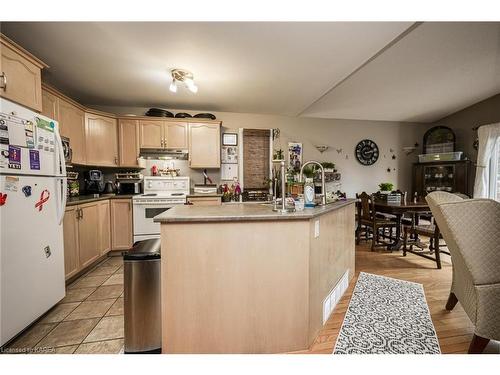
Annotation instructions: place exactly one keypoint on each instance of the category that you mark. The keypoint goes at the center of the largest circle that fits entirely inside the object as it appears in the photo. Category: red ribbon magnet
(44, 197)
(3, 199)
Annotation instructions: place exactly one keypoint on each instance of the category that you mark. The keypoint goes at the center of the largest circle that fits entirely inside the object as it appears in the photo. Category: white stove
(160, 194)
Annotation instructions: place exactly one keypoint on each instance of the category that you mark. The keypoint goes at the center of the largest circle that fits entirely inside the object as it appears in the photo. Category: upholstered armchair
(471, 229)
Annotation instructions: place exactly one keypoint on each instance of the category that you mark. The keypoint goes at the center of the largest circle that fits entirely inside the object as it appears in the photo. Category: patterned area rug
(387, 316)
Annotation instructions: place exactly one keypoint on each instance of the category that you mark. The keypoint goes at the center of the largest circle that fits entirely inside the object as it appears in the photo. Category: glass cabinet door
(439, 178)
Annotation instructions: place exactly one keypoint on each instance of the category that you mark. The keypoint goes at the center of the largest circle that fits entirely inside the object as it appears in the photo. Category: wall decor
(366, 152)
(295, 155)
(276, 133)
(339, 150)
(229, 154)
(439, 139)
(230, 139)
(322, 148)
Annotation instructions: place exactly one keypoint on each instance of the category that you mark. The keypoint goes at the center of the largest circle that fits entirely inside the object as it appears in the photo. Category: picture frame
(295, 155)
(230, 139)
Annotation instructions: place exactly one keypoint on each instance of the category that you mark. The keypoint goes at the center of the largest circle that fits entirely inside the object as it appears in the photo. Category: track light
(184, 76)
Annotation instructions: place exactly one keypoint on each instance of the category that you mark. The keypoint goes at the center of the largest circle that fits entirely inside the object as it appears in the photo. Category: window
(495, 172)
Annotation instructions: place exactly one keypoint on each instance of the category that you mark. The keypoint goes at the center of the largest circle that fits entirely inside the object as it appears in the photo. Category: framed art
(230, 139)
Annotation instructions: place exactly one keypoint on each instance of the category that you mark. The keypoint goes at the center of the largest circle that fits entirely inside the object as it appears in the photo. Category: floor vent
(335, 295)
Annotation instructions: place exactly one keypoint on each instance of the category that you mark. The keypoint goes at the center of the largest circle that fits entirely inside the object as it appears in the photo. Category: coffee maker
(94, 182)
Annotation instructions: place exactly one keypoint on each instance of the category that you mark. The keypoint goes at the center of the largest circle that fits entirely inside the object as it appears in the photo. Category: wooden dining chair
(368, 222)
(411, 238)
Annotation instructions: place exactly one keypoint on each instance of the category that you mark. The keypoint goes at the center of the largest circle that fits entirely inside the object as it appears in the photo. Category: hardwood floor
(453, 328)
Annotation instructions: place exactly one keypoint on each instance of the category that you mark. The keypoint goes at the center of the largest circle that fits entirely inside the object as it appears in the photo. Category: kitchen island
(241, 278)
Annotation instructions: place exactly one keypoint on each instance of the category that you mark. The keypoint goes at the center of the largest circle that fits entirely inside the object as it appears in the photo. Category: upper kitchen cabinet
(163, 134)
(176, 134)
(20, 75)
(204, 145)
(72, 125)
(50, 103)
(151, 133)
(101, 140)
(128, 142)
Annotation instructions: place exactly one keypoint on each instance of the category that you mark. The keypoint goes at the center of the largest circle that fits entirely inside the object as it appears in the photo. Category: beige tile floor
(88, 320)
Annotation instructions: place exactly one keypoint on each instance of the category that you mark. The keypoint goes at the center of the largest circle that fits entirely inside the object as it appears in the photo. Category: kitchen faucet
(323, 186)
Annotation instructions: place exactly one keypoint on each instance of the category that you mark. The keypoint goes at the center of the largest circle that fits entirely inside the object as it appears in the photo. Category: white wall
(338, 134)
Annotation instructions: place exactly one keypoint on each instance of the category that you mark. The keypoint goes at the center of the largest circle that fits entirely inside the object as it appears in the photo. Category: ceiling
(395, 71)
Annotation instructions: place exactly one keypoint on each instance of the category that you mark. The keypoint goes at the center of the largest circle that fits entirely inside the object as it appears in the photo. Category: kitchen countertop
(242, 212)
(81, 199)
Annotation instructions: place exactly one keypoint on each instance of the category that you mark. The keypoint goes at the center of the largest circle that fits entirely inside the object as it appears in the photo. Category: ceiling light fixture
(184, 76)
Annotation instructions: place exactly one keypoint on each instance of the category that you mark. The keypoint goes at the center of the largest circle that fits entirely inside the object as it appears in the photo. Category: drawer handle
(4, 81)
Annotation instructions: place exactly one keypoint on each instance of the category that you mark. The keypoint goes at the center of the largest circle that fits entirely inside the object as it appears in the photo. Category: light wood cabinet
(204, 145)
(205, 201)
(121, 224)
(72, 125)
(176, 135)
(101, 140)
(70, 233)
(151, 133)
(128, 142)
(20, 75)
(50, 104)
(88, 234)
(163, 134)
(104, 227)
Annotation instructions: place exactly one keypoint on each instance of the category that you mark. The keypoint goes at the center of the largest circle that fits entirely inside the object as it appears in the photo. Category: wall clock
(367, 152)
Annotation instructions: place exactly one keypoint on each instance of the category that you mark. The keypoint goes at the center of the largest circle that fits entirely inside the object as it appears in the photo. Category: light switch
(316, 229)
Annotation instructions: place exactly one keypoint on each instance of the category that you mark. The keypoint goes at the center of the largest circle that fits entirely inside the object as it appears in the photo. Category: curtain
(488, 135)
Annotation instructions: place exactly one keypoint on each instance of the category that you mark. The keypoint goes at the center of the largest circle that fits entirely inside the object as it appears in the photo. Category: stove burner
(149, 195)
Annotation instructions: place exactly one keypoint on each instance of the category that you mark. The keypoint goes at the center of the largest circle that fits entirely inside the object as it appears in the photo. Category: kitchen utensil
(109, 187)
(205, 115)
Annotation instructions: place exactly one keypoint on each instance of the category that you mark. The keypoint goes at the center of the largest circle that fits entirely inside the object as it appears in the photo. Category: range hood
(164, 153)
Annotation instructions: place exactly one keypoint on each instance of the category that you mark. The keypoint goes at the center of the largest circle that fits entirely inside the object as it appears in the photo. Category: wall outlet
(316, 229)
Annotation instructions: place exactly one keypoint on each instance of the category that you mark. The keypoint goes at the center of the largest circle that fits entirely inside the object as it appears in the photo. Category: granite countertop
(81, 199)
(242, 212)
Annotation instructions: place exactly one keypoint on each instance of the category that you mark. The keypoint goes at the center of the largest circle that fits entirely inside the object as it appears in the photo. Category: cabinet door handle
(116, 160)
(81, 213)
(4, 81)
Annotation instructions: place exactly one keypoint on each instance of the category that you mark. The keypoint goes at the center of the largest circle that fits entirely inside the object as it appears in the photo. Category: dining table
(398, 210)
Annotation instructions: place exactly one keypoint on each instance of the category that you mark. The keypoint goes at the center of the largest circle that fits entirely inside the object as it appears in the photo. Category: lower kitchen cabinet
(87, 235)
(205, 201)
(121, 224)
(104, 212)
(70, 233)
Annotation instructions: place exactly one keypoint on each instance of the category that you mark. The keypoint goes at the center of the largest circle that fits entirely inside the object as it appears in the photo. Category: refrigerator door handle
(61, 188)
(60, 163)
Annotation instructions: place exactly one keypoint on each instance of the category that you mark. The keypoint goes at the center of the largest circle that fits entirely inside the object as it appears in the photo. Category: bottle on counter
(309, 194)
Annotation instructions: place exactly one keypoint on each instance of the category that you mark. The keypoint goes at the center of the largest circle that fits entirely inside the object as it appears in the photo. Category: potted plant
(385, 187)
(328, 166)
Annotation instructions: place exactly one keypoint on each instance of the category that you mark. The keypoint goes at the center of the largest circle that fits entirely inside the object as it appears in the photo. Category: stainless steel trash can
(142, 297)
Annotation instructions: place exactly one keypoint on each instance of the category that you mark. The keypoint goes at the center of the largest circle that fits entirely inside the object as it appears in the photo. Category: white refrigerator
(32, 204)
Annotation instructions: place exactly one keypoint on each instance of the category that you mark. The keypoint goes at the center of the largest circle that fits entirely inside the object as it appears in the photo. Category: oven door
(144, 212)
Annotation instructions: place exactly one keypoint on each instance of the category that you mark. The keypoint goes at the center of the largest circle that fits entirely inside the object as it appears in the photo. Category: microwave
(128, 187)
